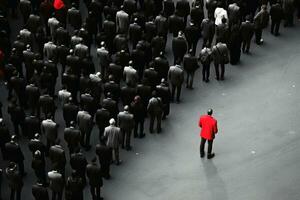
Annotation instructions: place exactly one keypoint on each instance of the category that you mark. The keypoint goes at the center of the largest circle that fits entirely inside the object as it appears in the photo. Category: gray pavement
(257, 148)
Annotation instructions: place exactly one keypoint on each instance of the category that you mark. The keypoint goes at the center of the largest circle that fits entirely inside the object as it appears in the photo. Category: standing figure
(209, 128)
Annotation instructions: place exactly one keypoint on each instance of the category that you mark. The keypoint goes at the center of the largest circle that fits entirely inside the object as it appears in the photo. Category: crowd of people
(108, 68)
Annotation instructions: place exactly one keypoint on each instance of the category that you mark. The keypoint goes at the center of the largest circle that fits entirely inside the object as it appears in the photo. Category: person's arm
(216, 128)
(200, 123)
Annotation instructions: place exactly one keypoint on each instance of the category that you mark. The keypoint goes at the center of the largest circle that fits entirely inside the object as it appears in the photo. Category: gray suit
(126, 123)
(176, 77)
(50, 129)
(85, 123)
(113, 139)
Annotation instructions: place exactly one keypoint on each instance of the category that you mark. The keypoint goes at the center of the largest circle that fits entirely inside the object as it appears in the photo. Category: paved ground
(257, 149)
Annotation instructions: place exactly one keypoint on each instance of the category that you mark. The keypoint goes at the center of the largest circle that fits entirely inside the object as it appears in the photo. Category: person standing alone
(209, 128)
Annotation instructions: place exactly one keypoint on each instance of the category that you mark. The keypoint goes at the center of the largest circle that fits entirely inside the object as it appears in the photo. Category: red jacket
(209, 127)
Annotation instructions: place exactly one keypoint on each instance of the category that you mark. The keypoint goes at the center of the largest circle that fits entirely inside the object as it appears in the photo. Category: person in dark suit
(105, 157)
(4, 138)
(17, 115)
(169, 8)
(72, 137)
(138, 57)
(113, 87)
(190, 65)
(74, 17)
(176, 77)
(276, 13)
(138, 110)
(197, 15)
(192, 34)
(179, 47)
(247, 31)
(163, 91)
(36, 144)
(127, 94)
(78, 163)
(38, 165)
(135, 33)
(57, 184)
(234, 44)
(155, 110)
(149, 30)
(176, 24)
(111, 105)
(205, 59)
(151, 77)
(15, 182)
(74, 187)
(33, 95)
(94, 175)
(47, 105)
(209, 128)
(208, 32)
(126, 124)
(31, 126)
(50, 129)
(183, 9)
(58, 158)
(222, 32)
(70, 110)
(15, 154)
(39, 191)
(158, 44)
(261, 21)
(85, 124)
(220, 56)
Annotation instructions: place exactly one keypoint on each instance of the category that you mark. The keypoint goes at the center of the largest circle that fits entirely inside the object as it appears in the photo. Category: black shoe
(202, 155)
(88, 147)
(128, 148)
(207, 80)
(142, 135)
(118, 162)
(210, 156)
(135, 136)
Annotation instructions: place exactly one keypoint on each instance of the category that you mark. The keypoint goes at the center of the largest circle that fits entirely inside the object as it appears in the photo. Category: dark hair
(210, 111)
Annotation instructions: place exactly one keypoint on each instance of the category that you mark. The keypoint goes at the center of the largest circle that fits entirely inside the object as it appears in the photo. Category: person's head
(108, 95)
(126, 108)
(94, 160)
(137, 98)
(130, 63)
(264, 7)
(154, 93)
(111, 77)
(72, 123)
(248, 18)
(12, 165)
(1, 121)
(210, 111)
(37, 154)
(13, 138)
(135, 20)
(102, 44)
(180, 33)
(37, 136)
(112, 121)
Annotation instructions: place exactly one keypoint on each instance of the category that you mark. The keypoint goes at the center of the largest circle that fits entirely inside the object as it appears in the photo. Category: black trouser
(139, 123)
(13, 192)
(16, 127)
(57, 195)
(202, 146)
(246, 45)
(258, 35)
(205, 40)
(193, 46)
(95, 192)
(289, 19)
(222, 67)
(190, 79)
(152, 119)
(105, 169)
(101, 131)
(85, 137)
(41, 175)
(126, 136)
(115, 154)
(205, 72)
(174, 87)
(275, 25)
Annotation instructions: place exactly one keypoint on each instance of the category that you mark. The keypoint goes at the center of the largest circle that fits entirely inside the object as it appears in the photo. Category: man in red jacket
(208, 131)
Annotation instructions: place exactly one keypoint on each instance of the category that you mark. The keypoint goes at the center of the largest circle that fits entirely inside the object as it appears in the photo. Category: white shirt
(219, 14)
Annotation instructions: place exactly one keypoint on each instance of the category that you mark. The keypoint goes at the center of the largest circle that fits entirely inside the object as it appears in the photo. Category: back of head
(210, 111)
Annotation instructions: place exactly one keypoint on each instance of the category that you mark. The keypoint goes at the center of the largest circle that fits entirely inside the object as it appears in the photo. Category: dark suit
(78, 163)
(208, 32)
(276, 13)
(72, 138)
(15, 154)
(190, 65)
(39, 192)
(176, 24)
(102, 118)
(192, 34)
(94, 175)
(105, 157)
(247, 31)
(31, 126)
(70, 111)
(179, 48)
